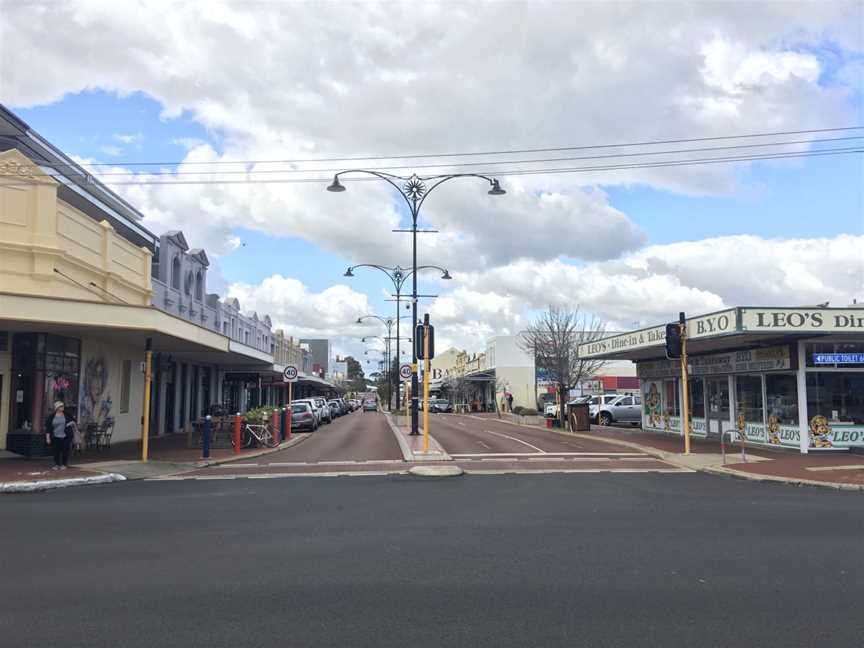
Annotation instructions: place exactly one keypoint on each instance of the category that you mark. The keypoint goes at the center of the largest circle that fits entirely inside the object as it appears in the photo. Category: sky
(184, 83)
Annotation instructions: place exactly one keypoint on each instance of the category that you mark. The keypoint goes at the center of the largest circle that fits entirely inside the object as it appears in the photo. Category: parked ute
(620, 409)
(302, 417)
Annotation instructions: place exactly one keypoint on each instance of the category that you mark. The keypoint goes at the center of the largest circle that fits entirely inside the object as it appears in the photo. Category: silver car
(621, 409)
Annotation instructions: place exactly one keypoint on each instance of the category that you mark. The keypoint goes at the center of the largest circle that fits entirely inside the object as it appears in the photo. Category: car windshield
(299, 407)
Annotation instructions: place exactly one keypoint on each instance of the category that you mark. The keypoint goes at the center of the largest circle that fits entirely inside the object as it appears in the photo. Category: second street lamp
(398, 276)
(414, 190)
(388, 322)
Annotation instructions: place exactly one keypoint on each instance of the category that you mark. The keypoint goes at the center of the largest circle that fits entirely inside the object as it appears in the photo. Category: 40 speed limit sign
(405, 371)
(290, 374)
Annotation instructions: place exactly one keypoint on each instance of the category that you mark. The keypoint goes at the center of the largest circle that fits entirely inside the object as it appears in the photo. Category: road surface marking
(507, 436)
(461, 423)
(237, 465)
(616, 455)
(488, 447)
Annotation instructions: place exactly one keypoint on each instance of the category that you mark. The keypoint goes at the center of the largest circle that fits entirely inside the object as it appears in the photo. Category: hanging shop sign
(751, 361)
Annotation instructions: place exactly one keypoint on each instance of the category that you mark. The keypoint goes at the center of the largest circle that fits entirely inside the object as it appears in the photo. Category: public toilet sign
(405, 371)
(744, 319)
(290, 374)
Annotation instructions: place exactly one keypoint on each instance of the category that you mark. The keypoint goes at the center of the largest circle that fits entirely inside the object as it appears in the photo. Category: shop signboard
(750, 361)
(804, 320)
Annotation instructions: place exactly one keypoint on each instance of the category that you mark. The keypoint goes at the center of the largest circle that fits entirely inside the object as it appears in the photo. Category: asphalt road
(508, 560)
(359, 436)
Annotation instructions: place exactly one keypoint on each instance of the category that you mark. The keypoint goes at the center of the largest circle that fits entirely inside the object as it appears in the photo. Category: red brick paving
(23, 470)
(788, 464)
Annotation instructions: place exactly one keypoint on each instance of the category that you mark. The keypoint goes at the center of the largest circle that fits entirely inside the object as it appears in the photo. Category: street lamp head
(496, 189)
(446, 275)
(337, 186)
(359, 320)
(348, 273)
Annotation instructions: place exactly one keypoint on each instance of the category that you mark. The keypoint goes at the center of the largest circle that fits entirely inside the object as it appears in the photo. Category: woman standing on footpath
(59, 428)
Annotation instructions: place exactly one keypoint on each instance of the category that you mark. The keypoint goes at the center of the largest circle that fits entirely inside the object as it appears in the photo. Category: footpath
(168, 455)
(834, 469)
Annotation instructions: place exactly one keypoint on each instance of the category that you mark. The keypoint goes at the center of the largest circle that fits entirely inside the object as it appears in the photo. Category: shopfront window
(697, 398)
(45, 370)
(670, 401)
(748, 394)
(781, 390)
(838, 396)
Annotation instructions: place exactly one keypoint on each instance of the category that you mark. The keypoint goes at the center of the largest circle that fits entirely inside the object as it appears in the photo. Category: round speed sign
(405, 371)
(290, 374)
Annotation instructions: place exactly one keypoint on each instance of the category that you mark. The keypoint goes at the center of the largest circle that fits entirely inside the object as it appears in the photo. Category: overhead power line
(554, 149)
(517, 172)
(496, 162)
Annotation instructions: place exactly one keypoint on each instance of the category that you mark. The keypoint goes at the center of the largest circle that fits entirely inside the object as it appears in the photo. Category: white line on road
(507, 436)
(237, 465)
(488, 447)
(635, 455)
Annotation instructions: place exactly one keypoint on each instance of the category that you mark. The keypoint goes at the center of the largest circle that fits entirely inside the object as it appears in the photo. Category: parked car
(302, 417)
(370, 405)
(440, 405)
(316, 408)
(326, 414)
(621, 409)
(336, 407)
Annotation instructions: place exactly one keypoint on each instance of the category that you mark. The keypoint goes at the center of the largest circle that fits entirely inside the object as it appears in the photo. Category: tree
(553, 339)
(356, 378)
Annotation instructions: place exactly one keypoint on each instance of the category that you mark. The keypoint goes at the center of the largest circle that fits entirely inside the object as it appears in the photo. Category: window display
(748, 395)
(670, 400)
(782, 398)
(697, 398)
(838, 396)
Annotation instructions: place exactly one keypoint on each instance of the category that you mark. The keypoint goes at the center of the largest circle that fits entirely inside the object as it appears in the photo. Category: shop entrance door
(716, 405)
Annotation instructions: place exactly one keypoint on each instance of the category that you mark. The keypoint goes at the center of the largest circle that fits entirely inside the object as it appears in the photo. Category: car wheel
(605, 418)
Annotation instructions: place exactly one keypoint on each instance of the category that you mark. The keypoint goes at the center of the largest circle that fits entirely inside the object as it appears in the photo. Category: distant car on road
(440, 405)
(621, 409)
(370, 405)
(302, 417)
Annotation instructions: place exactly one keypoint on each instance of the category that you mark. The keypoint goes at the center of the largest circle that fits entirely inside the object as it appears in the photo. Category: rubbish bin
(580, 419)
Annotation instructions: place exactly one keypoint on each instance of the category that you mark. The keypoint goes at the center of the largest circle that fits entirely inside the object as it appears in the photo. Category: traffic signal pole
(685, 409)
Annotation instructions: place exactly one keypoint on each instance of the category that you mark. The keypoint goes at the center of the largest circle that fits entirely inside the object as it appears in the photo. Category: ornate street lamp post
(414, 190)
(388, 322)
(398, 276)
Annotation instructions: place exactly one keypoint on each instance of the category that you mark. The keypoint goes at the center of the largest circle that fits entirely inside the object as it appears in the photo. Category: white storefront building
(779, 377)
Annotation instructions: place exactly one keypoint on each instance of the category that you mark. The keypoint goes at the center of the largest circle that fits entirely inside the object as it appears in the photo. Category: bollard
(237, 433)
(274, 424)
(205, 437)
(288, 418)
(282, 423)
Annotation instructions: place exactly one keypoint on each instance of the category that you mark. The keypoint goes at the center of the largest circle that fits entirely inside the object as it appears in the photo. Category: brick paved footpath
(830, 467)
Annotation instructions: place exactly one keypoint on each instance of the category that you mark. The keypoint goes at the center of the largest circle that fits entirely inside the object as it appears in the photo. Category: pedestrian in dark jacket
(59, 430)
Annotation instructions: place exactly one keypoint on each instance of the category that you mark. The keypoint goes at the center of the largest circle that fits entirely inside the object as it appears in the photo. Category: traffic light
(673, 341)
(418, 342)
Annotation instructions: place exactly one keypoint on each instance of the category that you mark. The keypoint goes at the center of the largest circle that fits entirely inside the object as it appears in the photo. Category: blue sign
(838, 358)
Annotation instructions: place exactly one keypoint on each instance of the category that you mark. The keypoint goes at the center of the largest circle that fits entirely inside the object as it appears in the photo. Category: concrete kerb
(407, 453)
(51, 484)
(672, 458)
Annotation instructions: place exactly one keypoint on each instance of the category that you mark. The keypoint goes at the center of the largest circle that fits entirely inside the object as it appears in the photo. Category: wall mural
(96, 400)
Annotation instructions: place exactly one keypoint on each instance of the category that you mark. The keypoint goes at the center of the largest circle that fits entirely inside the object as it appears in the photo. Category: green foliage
(259, 414)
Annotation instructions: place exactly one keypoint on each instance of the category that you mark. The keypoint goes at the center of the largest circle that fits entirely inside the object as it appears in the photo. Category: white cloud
(299, 80)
